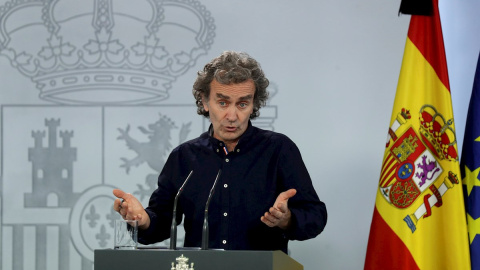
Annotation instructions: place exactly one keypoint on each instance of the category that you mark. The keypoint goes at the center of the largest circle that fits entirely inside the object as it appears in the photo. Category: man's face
(230, 107)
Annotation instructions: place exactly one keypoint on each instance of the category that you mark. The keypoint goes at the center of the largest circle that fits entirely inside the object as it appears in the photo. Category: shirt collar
(245, 137)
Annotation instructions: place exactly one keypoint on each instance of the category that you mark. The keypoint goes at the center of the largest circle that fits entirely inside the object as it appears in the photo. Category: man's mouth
(230, 129)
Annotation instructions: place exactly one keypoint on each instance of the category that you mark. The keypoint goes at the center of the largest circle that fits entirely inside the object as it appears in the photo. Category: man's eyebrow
(246, 97)
(222, 96)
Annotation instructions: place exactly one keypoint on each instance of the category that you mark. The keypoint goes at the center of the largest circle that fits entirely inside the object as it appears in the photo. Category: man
(264, 195)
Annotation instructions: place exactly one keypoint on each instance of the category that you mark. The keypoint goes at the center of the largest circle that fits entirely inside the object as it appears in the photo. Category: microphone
(205, 219)
(173, 229)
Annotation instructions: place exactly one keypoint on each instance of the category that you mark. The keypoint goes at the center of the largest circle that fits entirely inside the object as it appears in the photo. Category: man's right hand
(130, 208)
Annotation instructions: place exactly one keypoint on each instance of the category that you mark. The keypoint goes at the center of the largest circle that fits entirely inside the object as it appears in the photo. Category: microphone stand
(173, 229)
(205, 219)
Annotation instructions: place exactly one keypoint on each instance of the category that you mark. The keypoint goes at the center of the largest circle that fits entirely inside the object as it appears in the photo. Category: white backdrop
(335, 66)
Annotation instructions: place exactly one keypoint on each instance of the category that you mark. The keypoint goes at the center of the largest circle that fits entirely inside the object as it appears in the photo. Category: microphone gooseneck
(173, 228)
(205, 218)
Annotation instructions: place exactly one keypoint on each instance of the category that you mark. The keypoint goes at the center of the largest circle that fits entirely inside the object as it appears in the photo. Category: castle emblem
(52, 169)
(412, 166)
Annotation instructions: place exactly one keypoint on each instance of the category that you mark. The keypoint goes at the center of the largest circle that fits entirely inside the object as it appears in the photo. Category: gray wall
(333, 65)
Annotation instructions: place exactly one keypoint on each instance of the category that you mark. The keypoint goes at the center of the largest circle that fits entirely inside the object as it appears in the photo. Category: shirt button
(218, 150)
(238, 150)
(225, 214)
(225, 186)
(224, 242)
(227, 160)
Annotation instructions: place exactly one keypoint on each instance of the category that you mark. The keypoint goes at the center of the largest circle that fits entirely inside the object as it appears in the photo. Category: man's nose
(232, 114)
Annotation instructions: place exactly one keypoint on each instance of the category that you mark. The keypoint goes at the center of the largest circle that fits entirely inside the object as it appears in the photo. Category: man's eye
(222, 103)
(242, 105)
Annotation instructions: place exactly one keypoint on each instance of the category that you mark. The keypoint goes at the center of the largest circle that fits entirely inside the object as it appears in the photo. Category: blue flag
(470, 168)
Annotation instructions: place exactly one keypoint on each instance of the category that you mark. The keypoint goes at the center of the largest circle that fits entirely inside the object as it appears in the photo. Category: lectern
(161, 259)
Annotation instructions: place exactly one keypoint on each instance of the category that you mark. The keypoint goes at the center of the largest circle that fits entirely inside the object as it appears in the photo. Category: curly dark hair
(231, 67)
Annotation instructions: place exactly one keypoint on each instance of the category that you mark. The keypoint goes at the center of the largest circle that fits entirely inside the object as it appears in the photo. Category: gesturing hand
(279, 215)
(130, 208)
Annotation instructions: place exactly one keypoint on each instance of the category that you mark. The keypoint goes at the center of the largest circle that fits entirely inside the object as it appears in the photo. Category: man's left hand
(279, 215)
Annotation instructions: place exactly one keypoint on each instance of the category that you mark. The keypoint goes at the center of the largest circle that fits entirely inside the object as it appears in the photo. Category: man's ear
(205, 103)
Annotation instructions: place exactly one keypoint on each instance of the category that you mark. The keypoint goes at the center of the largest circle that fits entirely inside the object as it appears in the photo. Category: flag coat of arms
(419, 215)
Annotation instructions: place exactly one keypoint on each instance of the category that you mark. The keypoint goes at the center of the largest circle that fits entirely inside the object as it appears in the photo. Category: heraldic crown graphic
(438, 133)
(118, 55)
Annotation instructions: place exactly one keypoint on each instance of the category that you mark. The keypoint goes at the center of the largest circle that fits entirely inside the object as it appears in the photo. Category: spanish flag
(470, 167)
(419, 216)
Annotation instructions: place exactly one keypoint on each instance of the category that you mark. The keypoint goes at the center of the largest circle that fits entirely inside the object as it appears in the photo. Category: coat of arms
(413, 164)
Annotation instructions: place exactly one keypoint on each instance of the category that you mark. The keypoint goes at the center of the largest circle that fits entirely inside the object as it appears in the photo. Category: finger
(284, 196)
(267, 222)
(128, 197)
(129, 212)
(123, 213)
(281, 208)
(270, 218)
(282, 199)
(119, 193)
(277, 213)
(117, 205)
(132, 213)
(123, 210)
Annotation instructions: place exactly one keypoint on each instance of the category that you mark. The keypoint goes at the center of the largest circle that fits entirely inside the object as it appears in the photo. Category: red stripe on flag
(388, 181)
(388, 163)
(431, 48)
(387, 176)
(385, 249)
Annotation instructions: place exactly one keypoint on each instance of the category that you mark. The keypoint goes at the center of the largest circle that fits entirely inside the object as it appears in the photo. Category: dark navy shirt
(262, 165)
